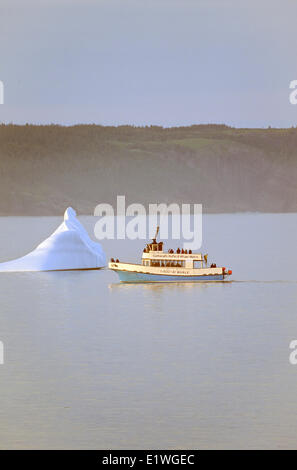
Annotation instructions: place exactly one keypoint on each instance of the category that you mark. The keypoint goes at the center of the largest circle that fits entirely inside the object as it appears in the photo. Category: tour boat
(159, 266)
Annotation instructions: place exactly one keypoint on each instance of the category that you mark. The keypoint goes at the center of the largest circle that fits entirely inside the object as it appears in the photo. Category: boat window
(197, 264)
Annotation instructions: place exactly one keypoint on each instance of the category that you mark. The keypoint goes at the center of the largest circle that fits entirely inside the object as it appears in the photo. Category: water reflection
(168, 286)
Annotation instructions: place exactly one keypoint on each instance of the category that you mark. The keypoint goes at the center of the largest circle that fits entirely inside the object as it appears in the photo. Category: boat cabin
(153, 255)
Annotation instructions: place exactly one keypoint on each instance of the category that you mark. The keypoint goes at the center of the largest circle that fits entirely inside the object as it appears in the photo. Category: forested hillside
(44, 169)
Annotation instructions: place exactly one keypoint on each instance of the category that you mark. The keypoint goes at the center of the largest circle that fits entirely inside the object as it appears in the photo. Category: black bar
(140, 458)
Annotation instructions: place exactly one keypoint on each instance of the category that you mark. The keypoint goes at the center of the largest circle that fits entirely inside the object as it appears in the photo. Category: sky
(143, 62)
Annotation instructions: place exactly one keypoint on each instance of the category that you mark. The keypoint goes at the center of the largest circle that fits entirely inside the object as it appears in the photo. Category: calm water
(90, 363)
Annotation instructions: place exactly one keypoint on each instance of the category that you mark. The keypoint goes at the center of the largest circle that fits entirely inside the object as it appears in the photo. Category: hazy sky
(166, 62)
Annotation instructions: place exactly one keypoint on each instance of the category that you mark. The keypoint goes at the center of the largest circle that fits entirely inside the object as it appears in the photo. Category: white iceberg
(69, 247)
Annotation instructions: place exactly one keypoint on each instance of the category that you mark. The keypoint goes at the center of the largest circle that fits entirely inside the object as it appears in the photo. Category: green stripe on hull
(126, 276)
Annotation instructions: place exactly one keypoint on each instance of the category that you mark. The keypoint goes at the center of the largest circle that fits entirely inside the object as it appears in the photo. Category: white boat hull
(137, 277)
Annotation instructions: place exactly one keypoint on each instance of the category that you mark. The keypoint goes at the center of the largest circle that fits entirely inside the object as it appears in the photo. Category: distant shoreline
(46, 168)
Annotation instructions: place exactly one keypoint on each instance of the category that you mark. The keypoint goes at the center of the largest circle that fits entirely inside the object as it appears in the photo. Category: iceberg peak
(68, 248)
(69, 213)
